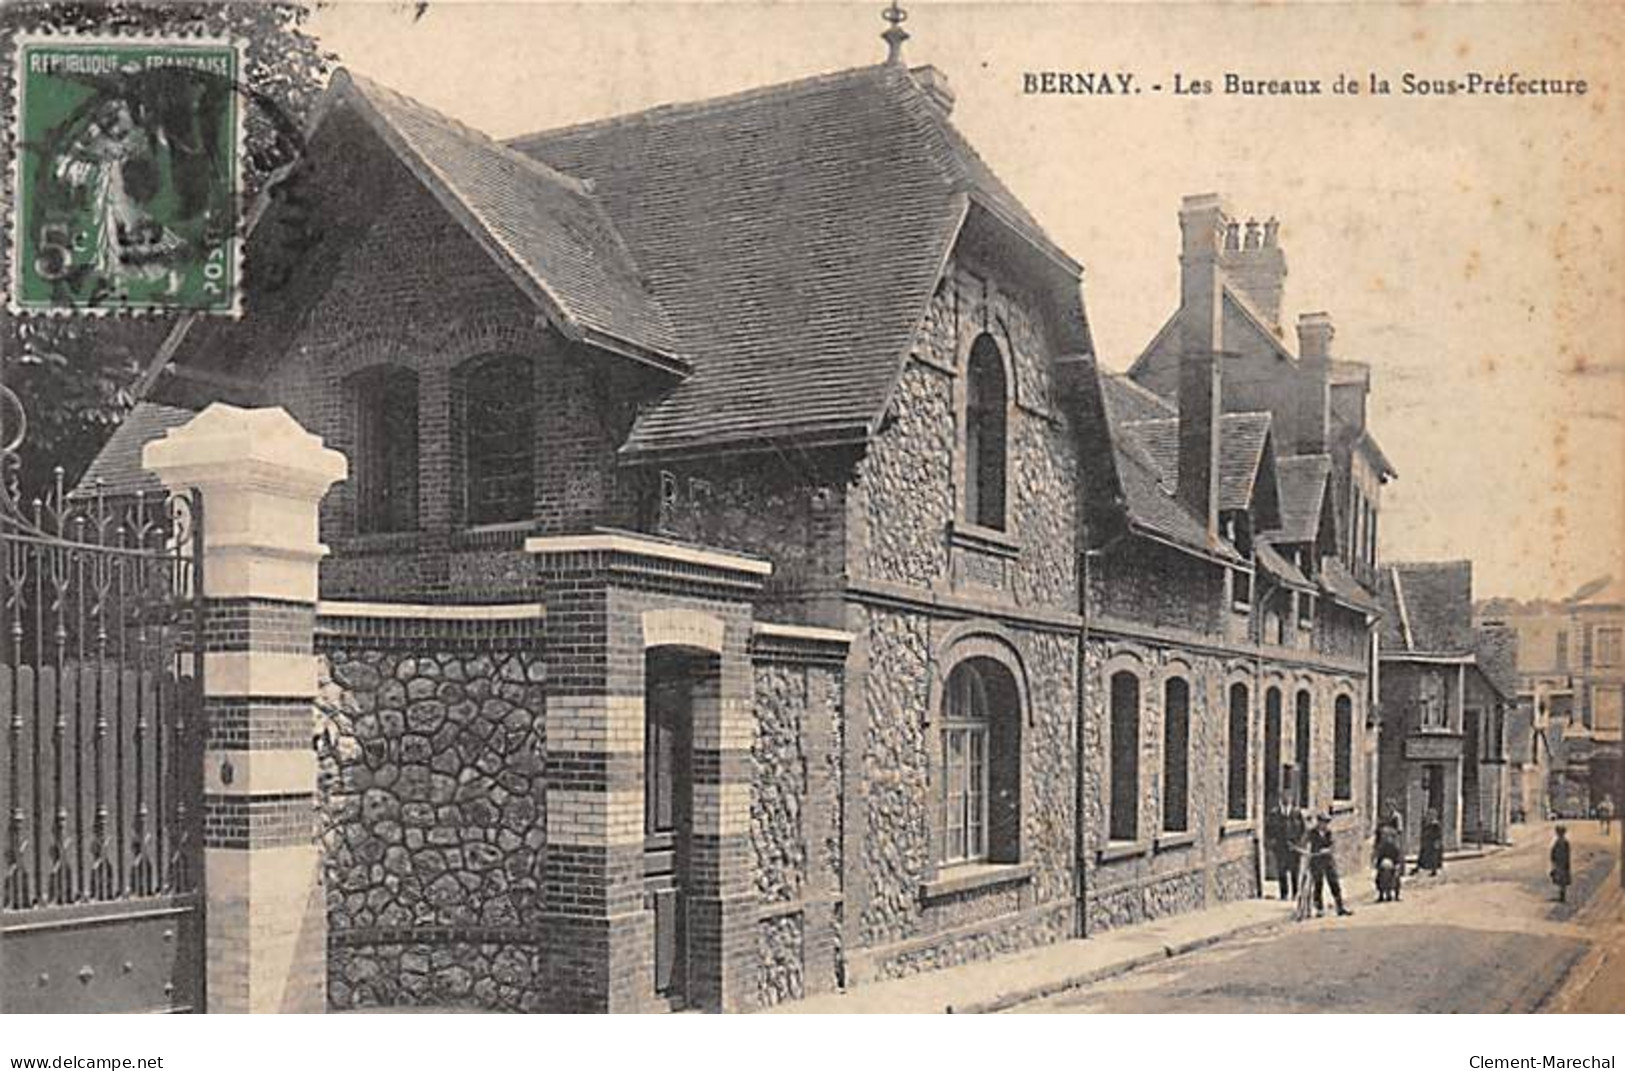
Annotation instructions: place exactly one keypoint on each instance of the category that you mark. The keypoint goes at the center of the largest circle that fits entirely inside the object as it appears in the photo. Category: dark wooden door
(667, 821)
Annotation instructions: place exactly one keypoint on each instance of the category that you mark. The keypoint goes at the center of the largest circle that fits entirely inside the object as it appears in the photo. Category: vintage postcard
(813, 508)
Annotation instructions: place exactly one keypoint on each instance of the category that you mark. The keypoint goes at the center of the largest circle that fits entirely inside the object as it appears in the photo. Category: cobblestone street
(1485, 936)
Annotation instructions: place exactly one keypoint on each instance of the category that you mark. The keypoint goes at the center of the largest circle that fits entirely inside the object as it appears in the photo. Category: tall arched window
(1272, 748)
(981, 765)
(986, 396)
(1236, 768)
(386, 448)
(1343, 749)
(1125, 745)
(1176, 755)
(499, 439)
(1305, 752)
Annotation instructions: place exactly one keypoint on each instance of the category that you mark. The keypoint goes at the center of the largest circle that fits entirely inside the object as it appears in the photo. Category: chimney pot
(1232, 237)
(1252, 234)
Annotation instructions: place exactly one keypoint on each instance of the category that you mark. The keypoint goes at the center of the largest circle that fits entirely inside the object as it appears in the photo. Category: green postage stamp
(126, 175)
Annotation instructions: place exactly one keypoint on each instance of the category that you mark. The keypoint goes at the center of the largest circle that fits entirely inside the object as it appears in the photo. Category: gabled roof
(1599, 593)
(1242, 437)
(117, 469)
(1496, 654)
(1427, 608)
(543, 227)
(1303, 481)
(795, 234)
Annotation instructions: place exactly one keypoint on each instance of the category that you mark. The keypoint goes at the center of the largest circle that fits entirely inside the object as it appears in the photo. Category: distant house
(1447, 694)
(1571, 676)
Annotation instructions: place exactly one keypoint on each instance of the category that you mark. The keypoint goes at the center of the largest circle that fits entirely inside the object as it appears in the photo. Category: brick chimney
(1199, 414)
(1312, 423)
(1255, 265)
(1203, 225)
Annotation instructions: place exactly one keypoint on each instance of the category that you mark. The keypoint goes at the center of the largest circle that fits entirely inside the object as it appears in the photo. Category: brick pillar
(262, 478)
(722, 901)
(611, 598)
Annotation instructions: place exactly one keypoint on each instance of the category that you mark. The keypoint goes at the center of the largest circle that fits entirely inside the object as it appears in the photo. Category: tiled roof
(118, 466)
(1496, 652)
(1604, 592)
(1127, 401)
(542, 223)
(1241, 450)
(1152, 507)
(1277, 566)
(795, 235)
(1427, 607)
(1303, 494)
(1340, 584)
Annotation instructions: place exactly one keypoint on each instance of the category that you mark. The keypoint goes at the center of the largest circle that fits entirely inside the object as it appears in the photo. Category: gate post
(261, 477)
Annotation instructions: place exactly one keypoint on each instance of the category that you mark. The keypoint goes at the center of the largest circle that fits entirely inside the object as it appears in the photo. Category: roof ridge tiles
(702, 106)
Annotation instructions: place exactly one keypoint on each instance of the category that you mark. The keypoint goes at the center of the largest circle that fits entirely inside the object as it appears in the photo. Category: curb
(1005, 1001)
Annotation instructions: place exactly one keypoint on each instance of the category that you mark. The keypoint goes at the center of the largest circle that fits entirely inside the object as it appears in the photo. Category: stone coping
(647, 547)
(416, 611)
(964, 879)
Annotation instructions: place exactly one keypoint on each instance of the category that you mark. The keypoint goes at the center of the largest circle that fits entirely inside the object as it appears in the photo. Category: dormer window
(1306, 612)
(986, 402)
(1241, 590)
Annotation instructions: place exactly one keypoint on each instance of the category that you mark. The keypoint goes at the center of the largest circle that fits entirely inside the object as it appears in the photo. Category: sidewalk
(1003, 982)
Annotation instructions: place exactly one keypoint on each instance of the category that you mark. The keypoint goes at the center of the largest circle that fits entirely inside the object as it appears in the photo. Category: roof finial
(895, 35)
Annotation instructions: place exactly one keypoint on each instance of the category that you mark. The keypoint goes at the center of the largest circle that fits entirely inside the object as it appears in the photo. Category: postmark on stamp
(127, 175)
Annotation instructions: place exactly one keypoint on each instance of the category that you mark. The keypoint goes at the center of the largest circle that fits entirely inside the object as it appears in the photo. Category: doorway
(668, 823)
(1433, 790)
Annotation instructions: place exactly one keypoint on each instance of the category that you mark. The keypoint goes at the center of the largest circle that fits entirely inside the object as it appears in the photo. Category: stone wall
(431, 821)
(1217, 860)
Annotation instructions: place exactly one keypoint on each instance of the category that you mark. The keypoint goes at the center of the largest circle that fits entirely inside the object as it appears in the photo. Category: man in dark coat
(1323, 865)
(1430, 857)
(1562, 875)
(1283, 833)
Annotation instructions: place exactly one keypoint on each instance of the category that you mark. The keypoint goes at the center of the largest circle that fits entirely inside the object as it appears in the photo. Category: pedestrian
(1430, 856)
(1561, 875)
(1389, 860)
(1605, 812)
(1283, 830)
(1323, 865)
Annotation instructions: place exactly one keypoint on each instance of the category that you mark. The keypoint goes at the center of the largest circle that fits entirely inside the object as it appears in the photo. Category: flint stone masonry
(432, 824)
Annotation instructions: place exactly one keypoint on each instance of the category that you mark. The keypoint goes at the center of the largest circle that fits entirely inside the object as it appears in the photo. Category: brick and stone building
(1230, 637)
(747, 583)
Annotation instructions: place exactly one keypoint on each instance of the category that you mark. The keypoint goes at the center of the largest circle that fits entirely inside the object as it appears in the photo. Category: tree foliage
(75, 374)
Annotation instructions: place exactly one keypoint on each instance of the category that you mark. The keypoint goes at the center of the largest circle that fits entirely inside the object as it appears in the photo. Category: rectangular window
(1176, 734)
(1343, 749)
(386, 449)
(1236, 796)
(964, 793)
(1608, 646)
(1241, 589)
(1606, 709)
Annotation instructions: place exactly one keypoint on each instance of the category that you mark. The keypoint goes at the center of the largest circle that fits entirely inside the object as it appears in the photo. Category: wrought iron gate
(101, 737)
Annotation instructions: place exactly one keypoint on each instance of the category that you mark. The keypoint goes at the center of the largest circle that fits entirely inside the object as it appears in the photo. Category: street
(1485, 936)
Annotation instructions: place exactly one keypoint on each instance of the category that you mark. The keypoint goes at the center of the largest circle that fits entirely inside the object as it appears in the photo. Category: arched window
(1125, 745)
(1176, 755)
(386, 448)
(1236, 769)
(1305, 753)
(1343, 749)
(499, 439)
(985, 449)
(981, 765)
(1272, 748)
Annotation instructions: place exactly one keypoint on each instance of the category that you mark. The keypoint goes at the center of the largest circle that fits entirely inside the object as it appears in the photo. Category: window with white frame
(980, 786)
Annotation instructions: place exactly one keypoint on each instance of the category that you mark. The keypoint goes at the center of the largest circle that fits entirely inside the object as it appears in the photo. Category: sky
(1471, 249)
